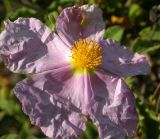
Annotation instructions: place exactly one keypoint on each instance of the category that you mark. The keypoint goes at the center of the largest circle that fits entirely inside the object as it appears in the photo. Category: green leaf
(134, 10)
(144, 46)
(24, 130)
(52, 6)
(9, 106)
(140, 45)
(91, 1)
(91, 131)
(51, 19)
(114, 32)
(150, 34)
(21, 12)
(9, 136)
(32, 137)
(152, 49)
(149, 122)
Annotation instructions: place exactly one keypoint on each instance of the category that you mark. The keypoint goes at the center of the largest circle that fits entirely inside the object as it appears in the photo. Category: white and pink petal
(114, 110)
(28, 46)
(53, 100)
(120, 61)
(83, 22)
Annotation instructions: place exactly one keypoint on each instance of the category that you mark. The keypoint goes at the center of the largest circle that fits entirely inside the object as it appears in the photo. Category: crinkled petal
(28, 46)
(53, 100)
(119, 60)
(80, 22)
(113, 110)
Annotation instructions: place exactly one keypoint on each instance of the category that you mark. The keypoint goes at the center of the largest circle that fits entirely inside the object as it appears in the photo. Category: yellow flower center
(86, 54)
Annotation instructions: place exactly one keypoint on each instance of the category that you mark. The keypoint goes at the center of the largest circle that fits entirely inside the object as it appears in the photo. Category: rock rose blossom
(77, 74)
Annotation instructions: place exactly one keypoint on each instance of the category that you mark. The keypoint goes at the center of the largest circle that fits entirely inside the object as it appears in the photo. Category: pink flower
(77, 74)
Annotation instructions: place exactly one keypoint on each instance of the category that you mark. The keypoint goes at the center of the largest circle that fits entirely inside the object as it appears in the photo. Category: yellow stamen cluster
(86, 54)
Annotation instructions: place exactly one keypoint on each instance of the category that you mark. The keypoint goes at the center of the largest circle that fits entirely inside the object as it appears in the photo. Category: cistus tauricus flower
(76, 74)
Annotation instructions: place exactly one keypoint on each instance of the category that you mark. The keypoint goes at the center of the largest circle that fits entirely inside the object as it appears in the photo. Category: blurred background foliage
(135, 23)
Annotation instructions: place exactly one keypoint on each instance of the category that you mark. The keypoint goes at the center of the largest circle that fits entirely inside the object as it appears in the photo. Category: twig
(158, 105)
(156, 91)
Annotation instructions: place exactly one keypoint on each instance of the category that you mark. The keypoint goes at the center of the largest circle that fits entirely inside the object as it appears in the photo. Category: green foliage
(150, 34)
(114, 32)
(131, 27)
(91, 132)
(134, 10)
(149, 123)
(9, 136)
(144, 46)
